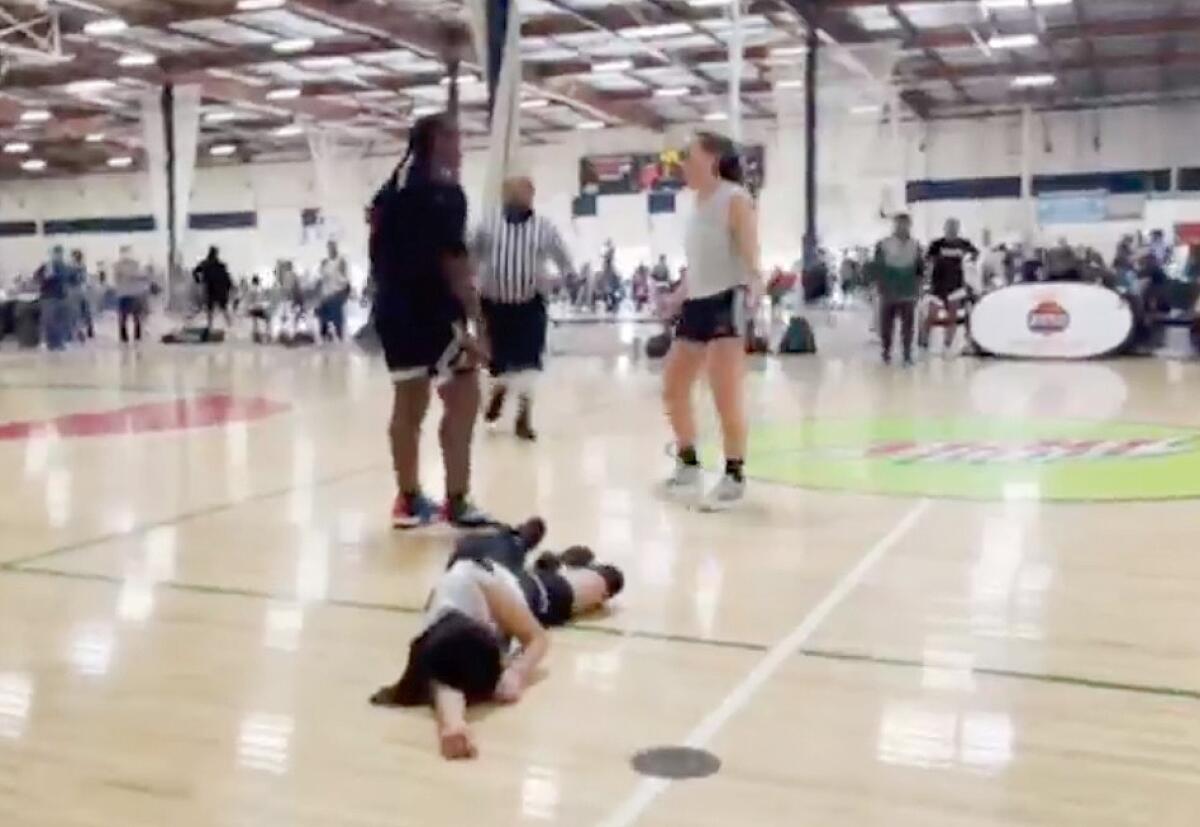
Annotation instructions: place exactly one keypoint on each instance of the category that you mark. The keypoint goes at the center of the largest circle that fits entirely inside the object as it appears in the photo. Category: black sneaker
(495, 405)
(578, 557)
(464, 514)
(525, 430)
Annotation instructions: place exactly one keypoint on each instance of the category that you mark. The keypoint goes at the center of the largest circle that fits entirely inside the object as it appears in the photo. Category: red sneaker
(414, 511)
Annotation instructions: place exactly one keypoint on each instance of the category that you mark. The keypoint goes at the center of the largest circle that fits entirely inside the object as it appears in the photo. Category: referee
(511, 248)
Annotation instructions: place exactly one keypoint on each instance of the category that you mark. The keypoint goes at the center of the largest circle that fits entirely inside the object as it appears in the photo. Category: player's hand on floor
(457, 744)
(510, 688)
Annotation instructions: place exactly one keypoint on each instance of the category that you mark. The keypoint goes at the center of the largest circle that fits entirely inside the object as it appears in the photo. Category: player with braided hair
(425, 305)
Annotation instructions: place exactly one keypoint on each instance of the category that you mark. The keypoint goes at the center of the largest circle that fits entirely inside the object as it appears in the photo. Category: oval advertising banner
(983, 459)
(1051, 321)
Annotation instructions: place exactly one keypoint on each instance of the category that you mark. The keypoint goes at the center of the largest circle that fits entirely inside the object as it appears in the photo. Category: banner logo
(1048, 318)
(1040, 451)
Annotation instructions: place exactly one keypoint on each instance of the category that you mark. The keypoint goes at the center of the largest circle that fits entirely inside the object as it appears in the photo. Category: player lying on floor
(484, 630)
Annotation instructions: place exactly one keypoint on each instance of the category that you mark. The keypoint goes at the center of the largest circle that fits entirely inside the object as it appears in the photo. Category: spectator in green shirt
(897, 271)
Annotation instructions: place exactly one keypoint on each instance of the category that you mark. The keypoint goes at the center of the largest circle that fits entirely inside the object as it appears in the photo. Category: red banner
(1188, 232)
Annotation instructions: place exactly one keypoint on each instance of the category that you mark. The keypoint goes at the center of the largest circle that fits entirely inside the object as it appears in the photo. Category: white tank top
(460, 589)
(714, 265)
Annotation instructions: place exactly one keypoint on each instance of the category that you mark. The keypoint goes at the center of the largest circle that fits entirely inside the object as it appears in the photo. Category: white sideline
(633, 807)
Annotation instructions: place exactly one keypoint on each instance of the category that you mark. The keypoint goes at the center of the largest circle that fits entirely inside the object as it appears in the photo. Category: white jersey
(460, 589)
(714, 264)
(333, 276)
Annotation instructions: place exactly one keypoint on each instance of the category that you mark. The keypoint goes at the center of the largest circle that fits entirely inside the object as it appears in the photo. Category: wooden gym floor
(197, 599)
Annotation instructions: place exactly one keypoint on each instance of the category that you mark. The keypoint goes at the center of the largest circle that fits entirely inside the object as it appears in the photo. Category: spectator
(897, 273)
(661, 274)
(53, 281)
(258, 306)
(1062, 264)
(133, 293)
(213, 276)
(334, 290)
(77, 295)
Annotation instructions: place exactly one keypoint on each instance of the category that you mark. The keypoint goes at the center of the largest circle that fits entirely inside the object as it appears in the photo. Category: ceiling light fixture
(35, 116)
(283, 94)
(790, 83)
(137, 59)
(660, 30)
(1033, 81)
(219, 116)
(671, 92)
(16, 148)
(293, 45)
(120, 162)
(611, 66)
(94, 137)
(260, 5)
(292, 130)
(33, 165)
(1012, 41)
(789, 51)
(327, 62)
(590, 125)
(717, 116)
(991, 5)
(105, 27)
(89, 87)
(222, 150)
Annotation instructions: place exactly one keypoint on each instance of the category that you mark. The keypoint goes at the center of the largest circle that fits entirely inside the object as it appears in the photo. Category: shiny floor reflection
(192, 618)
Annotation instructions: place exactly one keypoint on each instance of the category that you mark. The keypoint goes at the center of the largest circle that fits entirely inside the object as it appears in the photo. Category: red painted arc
(183, 414)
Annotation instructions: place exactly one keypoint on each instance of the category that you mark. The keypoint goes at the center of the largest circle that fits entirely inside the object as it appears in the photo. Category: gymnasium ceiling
(369, 67)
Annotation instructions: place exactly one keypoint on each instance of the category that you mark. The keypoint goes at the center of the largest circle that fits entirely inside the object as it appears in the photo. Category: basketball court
(949, 604)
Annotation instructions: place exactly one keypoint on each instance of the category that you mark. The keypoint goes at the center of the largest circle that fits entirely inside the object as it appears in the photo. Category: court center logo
(985, 459)
(1037, 451)
(1048, 317)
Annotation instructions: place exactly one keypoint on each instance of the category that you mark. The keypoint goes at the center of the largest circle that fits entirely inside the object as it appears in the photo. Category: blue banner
(1072, 208)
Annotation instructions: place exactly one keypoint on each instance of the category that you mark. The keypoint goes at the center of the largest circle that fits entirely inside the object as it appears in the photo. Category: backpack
(799, 337)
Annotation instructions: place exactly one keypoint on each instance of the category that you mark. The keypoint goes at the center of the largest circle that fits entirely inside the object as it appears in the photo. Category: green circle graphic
(983, 459)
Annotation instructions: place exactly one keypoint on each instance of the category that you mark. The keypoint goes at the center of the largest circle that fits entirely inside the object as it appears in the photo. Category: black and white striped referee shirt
(512, 257)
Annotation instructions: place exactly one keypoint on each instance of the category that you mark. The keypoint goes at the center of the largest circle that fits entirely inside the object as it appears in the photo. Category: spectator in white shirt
(334, 291)
(132, 283)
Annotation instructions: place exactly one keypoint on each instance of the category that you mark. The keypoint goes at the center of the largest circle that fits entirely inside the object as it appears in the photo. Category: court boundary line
(70, 387)
(630, 811)
(842, 655)
(188, 516)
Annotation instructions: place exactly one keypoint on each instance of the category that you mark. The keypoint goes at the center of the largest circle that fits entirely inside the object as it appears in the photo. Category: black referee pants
(517, 332)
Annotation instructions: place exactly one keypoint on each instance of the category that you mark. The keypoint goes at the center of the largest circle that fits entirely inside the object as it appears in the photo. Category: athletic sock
(688, 456)
(735, 469)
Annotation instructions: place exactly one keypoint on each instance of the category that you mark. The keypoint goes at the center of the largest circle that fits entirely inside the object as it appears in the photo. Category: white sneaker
(725, 495)
(686, 480)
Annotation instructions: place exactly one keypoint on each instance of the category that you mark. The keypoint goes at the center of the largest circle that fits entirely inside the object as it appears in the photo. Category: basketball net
(860, 155)
(335, 168)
